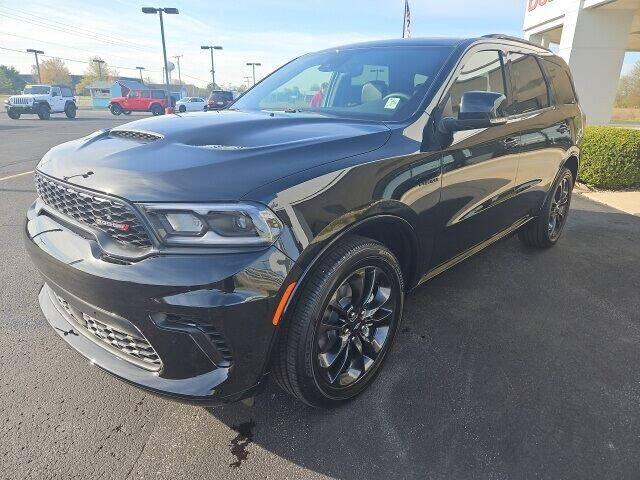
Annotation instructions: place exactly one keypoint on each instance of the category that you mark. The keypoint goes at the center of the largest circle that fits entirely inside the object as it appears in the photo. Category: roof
(132, 84)
(100, 84)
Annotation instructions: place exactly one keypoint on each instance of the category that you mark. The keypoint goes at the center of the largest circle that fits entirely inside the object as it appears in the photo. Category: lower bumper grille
(134, 349)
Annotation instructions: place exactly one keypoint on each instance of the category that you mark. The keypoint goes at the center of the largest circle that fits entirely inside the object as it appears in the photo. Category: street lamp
(253, 65)
(140, 69)
(211, 48)
(99, 62)
(36, 52)
(168, 11)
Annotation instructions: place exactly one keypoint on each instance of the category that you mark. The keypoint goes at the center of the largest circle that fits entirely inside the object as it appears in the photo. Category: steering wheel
(401, 95)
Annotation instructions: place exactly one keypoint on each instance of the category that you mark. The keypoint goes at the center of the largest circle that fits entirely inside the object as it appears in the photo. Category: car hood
(207, 156)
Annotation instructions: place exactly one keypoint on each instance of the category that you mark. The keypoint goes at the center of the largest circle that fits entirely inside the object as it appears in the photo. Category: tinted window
(562, 86)
(66, 92)
(222, 96)
(530, 89)
(483, 72)
(157, 94)
(377, 83)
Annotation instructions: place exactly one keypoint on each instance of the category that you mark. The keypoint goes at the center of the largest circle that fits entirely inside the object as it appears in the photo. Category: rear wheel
(546, 230)
(115, 108)
(13, 114)
(156, 110)
(343, 324)
(70, 110)
(44, 112)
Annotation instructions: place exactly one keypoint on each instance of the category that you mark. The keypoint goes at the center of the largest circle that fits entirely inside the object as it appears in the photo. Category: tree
(94, 72)
(628, 95)
(10, 80)
(52, 70)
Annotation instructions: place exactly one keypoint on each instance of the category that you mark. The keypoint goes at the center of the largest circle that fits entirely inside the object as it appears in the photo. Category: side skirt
(475, 249)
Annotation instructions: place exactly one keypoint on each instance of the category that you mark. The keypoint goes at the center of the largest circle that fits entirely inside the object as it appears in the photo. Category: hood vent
(136, 135)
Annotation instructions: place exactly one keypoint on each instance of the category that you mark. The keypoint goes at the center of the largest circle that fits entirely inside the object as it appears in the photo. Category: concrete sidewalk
(625, 201)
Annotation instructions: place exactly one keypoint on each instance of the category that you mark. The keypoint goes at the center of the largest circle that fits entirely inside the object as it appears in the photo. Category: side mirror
(477, 110)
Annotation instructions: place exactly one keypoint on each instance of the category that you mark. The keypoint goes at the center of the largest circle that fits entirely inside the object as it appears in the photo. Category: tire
(44, 112)
(182, 109)
(546, 230)
(127, 112)
(156, 110)
(323, 335)
(115, 108)
(13, 114)
(70, 110)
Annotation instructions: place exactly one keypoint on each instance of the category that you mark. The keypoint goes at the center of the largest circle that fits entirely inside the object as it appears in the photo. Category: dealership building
(593, 37)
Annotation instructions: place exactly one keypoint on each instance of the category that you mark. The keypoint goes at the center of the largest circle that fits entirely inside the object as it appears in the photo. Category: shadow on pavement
(515, 364)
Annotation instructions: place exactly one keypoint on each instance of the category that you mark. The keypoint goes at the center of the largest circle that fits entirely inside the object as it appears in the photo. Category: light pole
(211, 48)
(253, 66)
(140, 70)
(178, 57)
(168, 11)
(247, 79)
(36, 52)
(99, 62)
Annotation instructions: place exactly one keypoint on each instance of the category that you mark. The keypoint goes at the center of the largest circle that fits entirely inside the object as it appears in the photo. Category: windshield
(377, 83)
(36, 89)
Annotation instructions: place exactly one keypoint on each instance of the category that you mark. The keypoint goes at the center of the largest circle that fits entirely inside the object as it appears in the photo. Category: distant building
(100, 92)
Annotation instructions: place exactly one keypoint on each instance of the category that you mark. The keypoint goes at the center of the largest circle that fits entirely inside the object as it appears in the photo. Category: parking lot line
(16, 175)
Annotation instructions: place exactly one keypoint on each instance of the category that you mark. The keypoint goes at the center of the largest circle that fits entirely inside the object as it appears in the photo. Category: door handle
(511, 142)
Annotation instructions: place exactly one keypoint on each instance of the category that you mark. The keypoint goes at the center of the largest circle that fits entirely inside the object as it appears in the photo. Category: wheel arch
(573, 164)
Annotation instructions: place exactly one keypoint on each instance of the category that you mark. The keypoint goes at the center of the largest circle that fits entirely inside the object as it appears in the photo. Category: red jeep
(154, 101)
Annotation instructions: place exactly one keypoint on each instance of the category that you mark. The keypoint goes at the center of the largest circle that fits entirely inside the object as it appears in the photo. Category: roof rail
(501, 36)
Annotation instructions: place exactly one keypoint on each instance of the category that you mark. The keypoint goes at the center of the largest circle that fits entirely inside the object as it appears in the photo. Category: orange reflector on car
(283, 302)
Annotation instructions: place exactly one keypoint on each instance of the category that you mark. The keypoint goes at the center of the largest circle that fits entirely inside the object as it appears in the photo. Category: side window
(482, 71)
(55, 92)
(530, 89)
(144, 93)
(562, 85)
(66, 92)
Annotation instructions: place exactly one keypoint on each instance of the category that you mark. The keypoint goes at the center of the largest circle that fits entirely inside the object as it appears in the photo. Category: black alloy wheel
(341, 324)
(115, 109)
(354, 327)
(559, 208)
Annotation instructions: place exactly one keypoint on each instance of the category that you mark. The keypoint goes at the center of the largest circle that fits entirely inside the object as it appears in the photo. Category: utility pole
(211, 48)
(253, 66)
(36, 52)
(178, 57)
(99, 62)
(168, 11)
(247, 79)
(140, 70)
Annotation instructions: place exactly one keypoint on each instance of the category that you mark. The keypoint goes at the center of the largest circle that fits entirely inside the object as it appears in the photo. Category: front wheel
(70, 110)
(115, 109)
(182, 109)
(13, 114)
(341, 328)
(545, 231)
(44, 113)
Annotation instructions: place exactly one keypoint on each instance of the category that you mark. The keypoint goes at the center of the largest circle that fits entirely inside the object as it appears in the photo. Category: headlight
(234, 224)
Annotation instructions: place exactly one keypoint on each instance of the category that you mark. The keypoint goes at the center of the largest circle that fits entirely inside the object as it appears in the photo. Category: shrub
(610, 157)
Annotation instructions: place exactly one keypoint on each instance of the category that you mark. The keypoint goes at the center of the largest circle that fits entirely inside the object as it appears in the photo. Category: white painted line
(16, 175)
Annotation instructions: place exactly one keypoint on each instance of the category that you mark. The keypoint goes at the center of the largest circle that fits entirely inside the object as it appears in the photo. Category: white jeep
(42, 100)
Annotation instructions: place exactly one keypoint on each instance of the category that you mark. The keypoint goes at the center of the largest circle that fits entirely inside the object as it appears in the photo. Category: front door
(57, 102)
(479, 168)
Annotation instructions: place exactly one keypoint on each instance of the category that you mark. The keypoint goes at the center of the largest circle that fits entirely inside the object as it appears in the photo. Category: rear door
(479, 168)
(57, 102)
(543, 130)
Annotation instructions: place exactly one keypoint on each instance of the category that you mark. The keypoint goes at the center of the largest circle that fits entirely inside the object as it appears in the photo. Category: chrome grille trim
(94, 210)
(134, 349)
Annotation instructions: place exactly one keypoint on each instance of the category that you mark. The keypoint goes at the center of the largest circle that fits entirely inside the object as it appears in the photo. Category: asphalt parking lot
(515, 364)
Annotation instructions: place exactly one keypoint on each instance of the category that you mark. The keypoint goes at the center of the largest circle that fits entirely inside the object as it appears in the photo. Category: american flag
(406, 26)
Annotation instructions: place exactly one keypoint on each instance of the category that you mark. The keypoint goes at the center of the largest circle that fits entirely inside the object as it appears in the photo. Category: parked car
(219, 99)
(42, 100)
(154, 101)
(191, 104)
(286, 238)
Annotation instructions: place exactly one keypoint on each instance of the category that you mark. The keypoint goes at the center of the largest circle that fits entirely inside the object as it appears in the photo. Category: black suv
(218, 100)
(193, 255)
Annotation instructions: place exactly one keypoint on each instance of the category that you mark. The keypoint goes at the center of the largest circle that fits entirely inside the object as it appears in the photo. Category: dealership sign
(533, 4)
(543, 11)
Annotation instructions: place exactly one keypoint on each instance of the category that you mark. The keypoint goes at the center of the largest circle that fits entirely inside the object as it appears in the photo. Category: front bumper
(22, 108)
(207, 316)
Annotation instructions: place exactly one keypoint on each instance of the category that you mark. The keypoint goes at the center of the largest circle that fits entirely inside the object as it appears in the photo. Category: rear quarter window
(66, 92)
(562, 85)
(157, 94)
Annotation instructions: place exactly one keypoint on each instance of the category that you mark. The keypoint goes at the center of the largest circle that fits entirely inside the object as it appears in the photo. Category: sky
(271, 32)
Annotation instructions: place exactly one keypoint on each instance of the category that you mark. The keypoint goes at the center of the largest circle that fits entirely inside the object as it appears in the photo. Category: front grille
(144, 137)
(111, 216)
(20, 101)
(133, 348)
